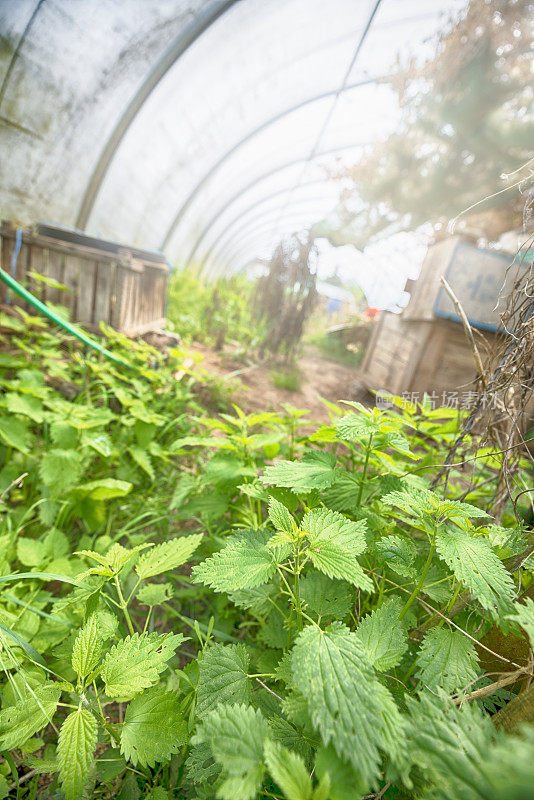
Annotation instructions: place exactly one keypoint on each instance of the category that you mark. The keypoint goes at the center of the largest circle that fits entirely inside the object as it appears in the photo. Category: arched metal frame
(250, 208)
(238, 145)
(182, 43)
(254, 182)
(267, 218)
(262, 230)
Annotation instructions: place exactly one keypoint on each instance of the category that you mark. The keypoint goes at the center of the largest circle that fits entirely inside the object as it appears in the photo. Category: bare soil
(255, 391)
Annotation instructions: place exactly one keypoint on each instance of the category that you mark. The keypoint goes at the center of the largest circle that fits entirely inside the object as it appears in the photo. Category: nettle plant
(96, 667)
(366, 597)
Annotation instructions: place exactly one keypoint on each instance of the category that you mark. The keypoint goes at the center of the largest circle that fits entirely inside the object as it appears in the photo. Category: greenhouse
(267, 399)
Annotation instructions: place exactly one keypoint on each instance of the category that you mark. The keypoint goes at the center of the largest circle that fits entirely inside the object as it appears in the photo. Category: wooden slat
(54, 270)
(71, 277)
(86, 287)
(103, 296)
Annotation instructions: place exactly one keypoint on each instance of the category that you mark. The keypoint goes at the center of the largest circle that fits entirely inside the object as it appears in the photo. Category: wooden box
(124, 287)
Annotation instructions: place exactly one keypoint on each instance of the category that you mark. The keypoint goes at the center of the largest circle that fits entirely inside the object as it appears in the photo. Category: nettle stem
(364, 472)
(124, 605)
(421, 579)
(298, 606)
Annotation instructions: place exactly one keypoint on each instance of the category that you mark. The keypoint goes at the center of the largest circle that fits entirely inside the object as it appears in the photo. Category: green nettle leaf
(288, 770)
(25, 405)
(167, 556)
(383, 636)
(524, 616)
(154, 728)
(476, 566)
(200, 764)
(13, 432)
(346, 702)
(357, 427)
(155, 594)
(60, 469)
(142, 459)
(326, 596)
(32, 712)
(75, 752)
(87, 648)
(450, 745)
(222, 677)
(136, 662)
(334, 543)
(31, 552)
(399, 553)
(280, 516)
(315, 471)
(448, 659)
(104, 489)
(244, 563)
(235, 735)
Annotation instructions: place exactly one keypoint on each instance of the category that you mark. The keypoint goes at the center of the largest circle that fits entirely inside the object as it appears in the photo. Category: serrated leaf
(200, 764)
(383, 636)
(60, 469)
(235, 735)
(155, 594)
(334, 543)
(104, 489)
(222, 677)
(476, 566)
(315, 471)
(167, 556)
(244, 563)
(356, 427)
(280, 516)
(14, 433)
(87, 648)
(75, 752)
(288, 770)
(326, 596)
(25, 405)
(142, 459)
(448, 659)
(31, 713)
(524, 616)
(154, 728)
(399, 553)
(345, 700)
(30, 552)
(257, 600)
(136, 662)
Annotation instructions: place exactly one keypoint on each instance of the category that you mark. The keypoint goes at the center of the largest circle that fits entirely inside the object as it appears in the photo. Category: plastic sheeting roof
(201, 128)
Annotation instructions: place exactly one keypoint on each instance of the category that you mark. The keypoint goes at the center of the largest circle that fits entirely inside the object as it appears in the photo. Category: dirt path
(320, 378)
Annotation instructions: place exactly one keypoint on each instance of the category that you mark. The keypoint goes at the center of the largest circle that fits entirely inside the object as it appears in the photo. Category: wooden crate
(425, 349)
(123, 287)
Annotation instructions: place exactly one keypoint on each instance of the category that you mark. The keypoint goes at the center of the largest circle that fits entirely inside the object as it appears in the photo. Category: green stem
(298, 607)
(123, 604)
(421, 580)
(364, 473)
(381, 591)
(450, 604)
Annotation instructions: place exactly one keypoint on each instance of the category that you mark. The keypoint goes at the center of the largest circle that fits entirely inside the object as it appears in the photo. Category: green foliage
(154, 728)
(348, 703)
(222, 677)
(75, 751)
(245, 562)
(384, 636)
(447, 659)
(136, 662)
(334, 607)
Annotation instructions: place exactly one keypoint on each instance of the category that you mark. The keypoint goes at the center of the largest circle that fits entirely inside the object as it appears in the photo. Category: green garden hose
(43, 309)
